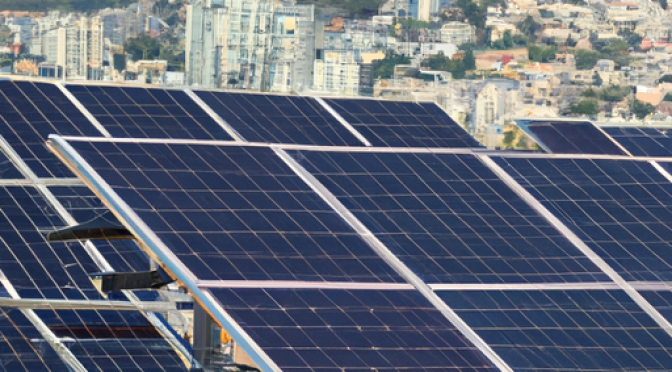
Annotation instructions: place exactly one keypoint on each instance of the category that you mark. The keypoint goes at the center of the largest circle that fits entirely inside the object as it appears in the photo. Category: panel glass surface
(346, 330)
(147, 113)
(621, 209)
(279, 119)
(569, 137)
(403, 124)
(29, 112)
(22, 348)
(661, 301)
(231, 212)
(7, 169)
(449, 218)
(642, 141)
(574, 330)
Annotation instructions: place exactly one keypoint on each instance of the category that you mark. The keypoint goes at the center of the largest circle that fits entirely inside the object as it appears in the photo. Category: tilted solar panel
(29, 112)
(621, 209)
(7, 169)
(574, 330)
(449, 217)
(279, 119)
(147, 113)
(642, 141)
(402, 124)
(570, 137)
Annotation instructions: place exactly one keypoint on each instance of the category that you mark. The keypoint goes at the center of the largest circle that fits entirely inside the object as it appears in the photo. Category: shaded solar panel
(7, 169)
(351, 330)
(402, 124)
(620, 209)
(147, 113)
(279, 119)
(22, 348)
(83, 205)
(111, 341)
(574, 330)
(569, 137)
(29, 112)
(232, 212)
(449, 218)
(642, 141)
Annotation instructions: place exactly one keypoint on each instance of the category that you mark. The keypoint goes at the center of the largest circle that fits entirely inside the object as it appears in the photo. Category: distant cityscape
(486, 63)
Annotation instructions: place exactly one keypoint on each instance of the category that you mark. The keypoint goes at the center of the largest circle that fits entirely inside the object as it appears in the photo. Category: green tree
(586, 59)
(143, 47)
(641, 109)
(589, 93)
(668, 97)
(633, 39)
(597, 79)
(440, 62)
(384, 68)
(538, 53)
(666, 78)
(614, 93)
(119, 61)
(529, 27)
(469, 60)
(475, 14)
(585, 107)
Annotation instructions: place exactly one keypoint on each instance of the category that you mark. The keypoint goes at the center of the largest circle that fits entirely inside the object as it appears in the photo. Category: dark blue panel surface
(621, 209)
(570, 137)
(565, 330)
(147, 113)
(22, 348)
(403, 124)
(231, 212)
(279, 119)
(7, 169)
(29, 112)
(642, 141)
(661, 301)
(449, 218)
(345, 330)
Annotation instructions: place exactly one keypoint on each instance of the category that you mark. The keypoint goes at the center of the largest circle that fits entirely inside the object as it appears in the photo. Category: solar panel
(449, 218)
(642, 141)
(279, 119)
(7, 169)
(660, 300)
(569, 137)
(233, 212)
(577, 330)
(402, 124)
(29, 112)
(620, 209)
(147, 113)
(350, 330)
(22, 348)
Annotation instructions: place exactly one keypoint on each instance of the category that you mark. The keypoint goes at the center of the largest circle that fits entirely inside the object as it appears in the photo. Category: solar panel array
(360, 255)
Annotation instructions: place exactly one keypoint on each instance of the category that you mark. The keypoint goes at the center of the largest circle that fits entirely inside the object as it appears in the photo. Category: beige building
(78, 48)
(337, 73)
(458, 33)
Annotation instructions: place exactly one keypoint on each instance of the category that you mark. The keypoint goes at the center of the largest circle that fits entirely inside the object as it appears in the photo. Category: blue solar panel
(576, 330)
(402, 124)
(642, 141)
(348, 330)
(279, 119)
(569, 137)
(7, 169)
(449, 218)
(660, 300)
(621, 209)
(232, 212)
(22, 348)
(29, 112)
(147, 113)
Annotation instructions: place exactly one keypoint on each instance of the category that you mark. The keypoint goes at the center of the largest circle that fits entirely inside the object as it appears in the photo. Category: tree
(586, 59)
(614, 93)
(597, 79)
(641, 109)
(529, 27)
(589, 93)
(666, 79)
(469, 60)
(119, 62)
(143, 47)
(384, 68)
(440, 62)
(668, 97)
(585, 107)
(633, 39)
(538, 53)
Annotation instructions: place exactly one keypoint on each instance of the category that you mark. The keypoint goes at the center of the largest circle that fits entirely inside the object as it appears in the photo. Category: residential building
(458, 33)
(78, 48)
(337, 72)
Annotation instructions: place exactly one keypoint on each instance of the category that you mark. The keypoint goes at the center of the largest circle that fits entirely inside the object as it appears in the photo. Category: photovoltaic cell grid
(449, 218)
(402, 124)
(279, 119)
(574, 330)
(147, 113)
(642, 141)
(563, 137)
(29, 112)
(348, 330)
(7, 169)
(235, 213)
(621, 209)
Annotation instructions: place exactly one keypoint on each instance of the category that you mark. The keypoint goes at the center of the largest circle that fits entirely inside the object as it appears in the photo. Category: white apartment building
(458, 33)
(77, 47)
(337, 72)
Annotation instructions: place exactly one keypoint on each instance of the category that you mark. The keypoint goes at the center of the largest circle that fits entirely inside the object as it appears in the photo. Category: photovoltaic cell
(449, 218)
(642, 141)
(7, 169)
(402, 124)
(574, 330)
(232, 212)
(620, 209)
(345, 330)
(569, 137)
(147, 113)
(29, 112)
(661, 301)
(279, 119)
(22, 348)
